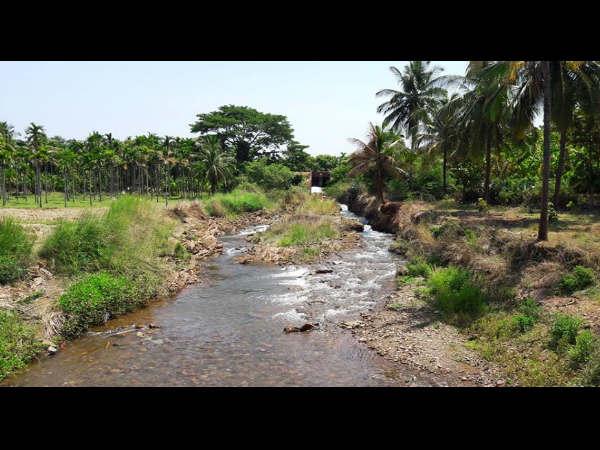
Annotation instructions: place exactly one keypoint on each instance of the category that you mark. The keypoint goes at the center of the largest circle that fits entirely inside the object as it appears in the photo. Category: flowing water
(228, 331)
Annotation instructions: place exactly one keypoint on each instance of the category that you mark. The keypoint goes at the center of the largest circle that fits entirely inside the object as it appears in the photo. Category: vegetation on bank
(15, 250)
(485, 273)
(18, 344)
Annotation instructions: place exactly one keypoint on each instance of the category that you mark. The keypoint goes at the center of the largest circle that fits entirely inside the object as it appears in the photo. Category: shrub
(418, 267)
(94, 299)
(529, 313)
(338, 190)
(579, 278)
(552, 213)
(564, 331)
(269, 176)
(454, 292)
(15, 250)
(581, 352)
(17, 343)
(482, 205)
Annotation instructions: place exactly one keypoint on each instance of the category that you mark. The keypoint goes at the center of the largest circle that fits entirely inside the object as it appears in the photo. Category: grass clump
(94, 299)
(17, 343)
(235, 202)
(418, 267)
(579, 278)
(527, 317)
(563, 332)
(317, 205)
(129, 239)
(581, 352)
(455, 293)
(305, 233)
(15, 250)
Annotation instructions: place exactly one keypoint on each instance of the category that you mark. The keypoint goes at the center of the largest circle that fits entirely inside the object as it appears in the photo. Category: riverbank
(154, 253)
(485, 303)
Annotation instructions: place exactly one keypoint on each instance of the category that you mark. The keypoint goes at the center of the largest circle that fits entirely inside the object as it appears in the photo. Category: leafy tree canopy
(250, 132)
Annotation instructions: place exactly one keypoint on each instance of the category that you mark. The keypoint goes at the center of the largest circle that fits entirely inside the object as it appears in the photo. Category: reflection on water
(228, 331)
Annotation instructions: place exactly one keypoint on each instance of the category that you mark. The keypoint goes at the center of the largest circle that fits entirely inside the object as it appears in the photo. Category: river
(227, 331)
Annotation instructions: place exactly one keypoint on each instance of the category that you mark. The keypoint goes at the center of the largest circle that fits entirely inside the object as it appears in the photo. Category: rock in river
(305, 327)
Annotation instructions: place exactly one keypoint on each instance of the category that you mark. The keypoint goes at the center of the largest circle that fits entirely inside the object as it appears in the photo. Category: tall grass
(15, 250)
(235, 202)
(303, 233)
(130, 235)
(317, 205)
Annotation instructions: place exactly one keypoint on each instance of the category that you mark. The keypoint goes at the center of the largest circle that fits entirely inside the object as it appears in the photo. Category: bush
(564, 332)
(94, 299)
(579, 278)
(523, 322)
(581, 352)
(17, 343)
(454, 292)
(15, 250)
(269, 176)
(529, 313)
(482, 205)
(418, 267)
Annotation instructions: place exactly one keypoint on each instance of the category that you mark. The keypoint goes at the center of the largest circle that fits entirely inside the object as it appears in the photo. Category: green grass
(564, 332)
(15, 250)
(455, 294)
(17, 343)
(96, 298)
(128, 237)
(320, 206)
(235, 202)
(305, 233)
(579, 278)
(56, 201)
(337, 190)
(418, 267)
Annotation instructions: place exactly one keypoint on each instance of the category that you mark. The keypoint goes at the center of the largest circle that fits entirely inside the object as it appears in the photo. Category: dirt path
(407, 331)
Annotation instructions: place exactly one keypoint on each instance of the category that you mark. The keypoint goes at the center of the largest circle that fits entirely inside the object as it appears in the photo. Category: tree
(296, 158)
(409, 108)
(36, 138)
(441, 133)
(218, 164)
(534, 84)
(250, 132)
(371, 157)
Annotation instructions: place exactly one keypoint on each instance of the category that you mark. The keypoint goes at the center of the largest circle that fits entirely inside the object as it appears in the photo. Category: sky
(326, 102)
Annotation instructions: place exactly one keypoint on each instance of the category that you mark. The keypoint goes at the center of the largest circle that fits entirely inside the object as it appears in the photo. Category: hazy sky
(325, 102)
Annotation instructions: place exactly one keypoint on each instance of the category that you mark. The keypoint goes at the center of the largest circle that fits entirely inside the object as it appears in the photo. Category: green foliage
(269, 176)
(564, 331)
(96, 298)
(17, 343)
(338, 190)
(15, 250)
(319, 206)
(552, 213)
(180, 252)
(581, 352)
(455, 293)
(250, 132)
(482, 205)
(418, 267)
(529, 314)
(579, 278)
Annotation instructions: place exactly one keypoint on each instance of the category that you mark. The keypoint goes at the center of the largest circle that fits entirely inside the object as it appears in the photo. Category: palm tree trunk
(488, 168)
(543, 225)
(65, 187)
(560, 168)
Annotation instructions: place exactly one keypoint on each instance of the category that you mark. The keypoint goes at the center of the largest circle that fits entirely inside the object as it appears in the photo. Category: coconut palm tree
(483, 111)
(218, 164)
(36, 138)
(371, 157)
(534, 83)
(420, 92)
(441, 132)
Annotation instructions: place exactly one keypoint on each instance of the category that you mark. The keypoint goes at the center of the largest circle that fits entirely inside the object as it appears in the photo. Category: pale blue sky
(326, 102)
